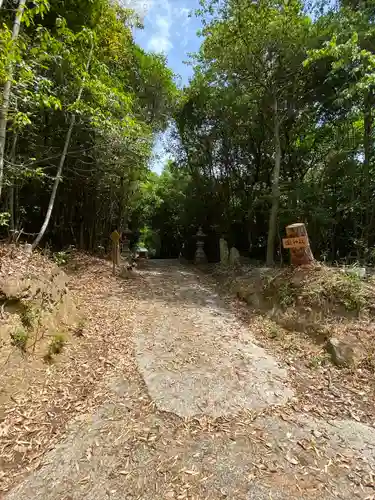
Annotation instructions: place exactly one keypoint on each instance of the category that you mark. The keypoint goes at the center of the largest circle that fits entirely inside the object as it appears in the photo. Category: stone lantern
(200, 256)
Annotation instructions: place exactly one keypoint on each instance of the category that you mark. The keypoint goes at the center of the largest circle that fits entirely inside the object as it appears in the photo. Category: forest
(274, 127)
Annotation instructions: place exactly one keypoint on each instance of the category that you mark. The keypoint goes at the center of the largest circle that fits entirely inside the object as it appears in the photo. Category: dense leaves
(276, 125)
(85, 105)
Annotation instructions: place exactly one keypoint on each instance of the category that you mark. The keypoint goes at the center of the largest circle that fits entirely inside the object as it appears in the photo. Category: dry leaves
(33, 423)
(35, 417)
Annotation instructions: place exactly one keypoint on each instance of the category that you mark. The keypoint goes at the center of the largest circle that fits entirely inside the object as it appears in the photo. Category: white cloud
(161, 39)
(182, 14)
(167, 22)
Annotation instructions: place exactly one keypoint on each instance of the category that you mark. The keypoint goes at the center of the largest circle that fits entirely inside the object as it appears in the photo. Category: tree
(350, 55)
(254, 53)
(7, 88)
(63, 154)
(270, 140)
(125, 99)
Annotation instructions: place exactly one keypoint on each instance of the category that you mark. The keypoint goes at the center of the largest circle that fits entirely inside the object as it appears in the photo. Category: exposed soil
(108, 408)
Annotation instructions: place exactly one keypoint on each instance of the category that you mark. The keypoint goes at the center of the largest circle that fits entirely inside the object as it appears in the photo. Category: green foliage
(286, 294)
(263, 67)
(369, 361)
(78, 332)
(19, 338)
(4, 218)
(349, 291)
(319, 360)
(162, 212)
(56, 344)
(335, 288)
(274, 331)
(61, 258)
(320, 73)
(315, 292)
(150, 240)
(5, 49)
(29, 316)
(55, 347)
(127, 98)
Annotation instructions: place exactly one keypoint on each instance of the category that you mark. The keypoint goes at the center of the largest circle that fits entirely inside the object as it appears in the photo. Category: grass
(61, 258)
(78, 332)
(274, 331)
(369, 361)
(55, 347)
(19, 338)
(319, 360)
(335, 288)
(286, 294)
(28, 316)
(318, 288)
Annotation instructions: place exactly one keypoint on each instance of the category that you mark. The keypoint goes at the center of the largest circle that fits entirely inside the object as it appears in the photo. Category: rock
(234, 257)
(243, 293)
(224, 252)
(127, 272)
(28, 248)
(342, 354)
(248, 295)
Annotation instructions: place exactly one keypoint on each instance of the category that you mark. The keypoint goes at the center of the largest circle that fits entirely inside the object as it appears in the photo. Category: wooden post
(297, 241)
(115, 237)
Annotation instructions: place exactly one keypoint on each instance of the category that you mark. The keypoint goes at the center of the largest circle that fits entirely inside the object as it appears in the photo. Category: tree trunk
(6, 94)
(11, 187)
(299, 256)
(367, 146)
(275, 191)
(61, 163)
(82, 235)
(122, 208)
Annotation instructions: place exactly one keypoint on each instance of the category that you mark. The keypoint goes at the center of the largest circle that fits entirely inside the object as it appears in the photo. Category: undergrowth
(319, 360)
(19, 338)
(336, 288)
(61, 258)
(55, 347)
(286, 294)
(28, 316)
(320, 288)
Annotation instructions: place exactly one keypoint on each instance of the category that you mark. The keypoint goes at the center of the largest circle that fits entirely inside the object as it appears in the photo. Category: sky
(169, 29)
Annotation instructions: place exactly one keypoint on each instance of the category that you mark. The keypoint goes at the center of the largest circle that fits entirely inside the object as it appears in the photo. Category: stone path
(238, 438)
(196, 358)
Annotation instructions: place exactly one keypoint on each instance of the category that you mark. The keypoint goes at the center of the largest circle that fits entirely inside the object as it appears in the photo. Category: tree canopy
(84, 106)
(274, 127)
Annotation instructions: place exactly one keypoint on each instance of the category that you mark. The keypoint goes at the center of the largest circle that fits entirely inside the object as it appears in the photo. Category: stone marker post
(234, 257)
(200, 256)
(224, 252)
(115, 237)
(297, 241)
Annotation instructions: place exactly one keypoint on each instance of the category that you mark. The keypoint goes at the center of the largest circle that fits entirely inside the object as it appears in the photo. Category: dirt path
(191, 408)
(195, 356)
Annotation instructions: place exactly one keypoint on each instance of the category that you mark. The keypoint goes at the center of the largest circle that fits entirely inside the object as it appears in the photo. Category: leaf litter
(149, 454)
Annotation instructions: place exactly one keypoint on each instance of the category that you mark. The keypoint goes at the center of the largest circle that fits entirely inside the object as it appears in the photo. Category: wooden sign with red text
(298, 242)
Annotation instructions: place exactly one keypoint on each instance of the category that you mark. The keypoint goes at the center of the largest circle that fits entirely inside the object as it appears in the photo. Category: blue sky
(168, 29)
